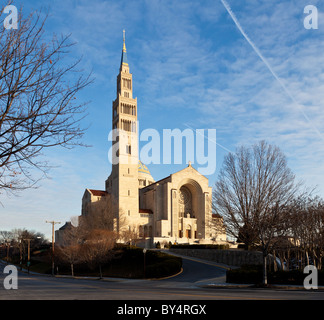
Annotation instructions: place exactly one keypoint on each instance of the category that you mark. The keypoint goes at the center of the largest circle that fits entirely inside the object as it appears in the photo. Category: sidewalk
(215, 285)
(220, 282)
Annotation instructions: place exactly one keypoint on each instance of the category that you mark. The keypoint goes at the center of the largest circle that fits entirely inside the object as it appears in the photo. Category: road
(186, 286)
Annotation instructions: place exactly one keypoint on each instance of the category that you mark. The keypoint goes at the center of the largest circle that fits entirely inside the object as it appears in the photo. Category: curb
(253, 286)
(168, 277)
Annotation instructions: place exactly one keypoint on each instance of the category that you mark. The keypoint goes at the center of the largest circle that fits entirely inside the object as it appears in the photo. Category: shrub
(253, 275)
(246, 274)
(128, 262)
(200, 246)
(167, 267)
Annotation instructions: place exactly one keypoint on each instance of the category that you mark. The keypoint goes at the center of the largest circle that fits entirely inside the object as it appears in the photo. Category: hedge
(253, 275)
(200, 246)
(129, 263)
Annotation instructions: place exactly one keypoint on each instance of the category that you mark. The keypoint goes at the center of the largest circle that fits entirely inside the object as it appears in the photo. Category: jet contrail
(218, 144)
(257, 51)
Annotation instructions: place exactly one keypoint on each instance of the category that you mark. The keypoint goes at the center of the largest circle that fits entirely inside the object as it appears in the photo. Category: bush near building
(200, 246)
(128, 262)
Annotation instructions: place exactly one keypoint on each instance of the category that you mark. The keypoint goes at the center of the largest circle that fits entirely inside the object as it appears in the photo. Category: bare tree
(70, 250)
(17, 241)
(39, 108)
(254, 186)
(6, 236)
(307, 229)
(216, 227)
(98, 215)
(97, 226)
(316, 244)
(130, 234)
(93, 239)
(98, 247)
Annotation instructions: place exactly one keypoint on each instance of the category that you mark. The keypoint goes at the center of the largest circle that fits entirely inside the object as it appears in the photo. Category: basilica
(174, 209)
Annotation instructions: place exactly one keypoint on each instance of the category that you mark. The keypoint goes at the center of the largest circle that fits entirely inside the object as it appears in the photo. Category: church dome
(144, 175)
(142, 168)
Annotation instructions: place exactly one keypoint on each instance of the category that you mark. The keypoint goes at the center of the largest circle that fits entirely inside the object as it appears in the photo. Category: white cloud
(191, 66)
(289, 114)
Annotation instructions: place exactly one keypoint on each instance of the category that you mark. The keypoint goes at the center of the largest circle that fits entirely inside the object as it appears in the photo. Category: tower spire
(124, 46)
(122, 184)
(124, 53)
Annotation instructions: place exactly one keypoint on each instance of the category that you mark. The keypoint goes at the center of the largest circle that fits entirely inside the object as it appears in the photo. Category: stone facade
(176, 208)
(181, 204)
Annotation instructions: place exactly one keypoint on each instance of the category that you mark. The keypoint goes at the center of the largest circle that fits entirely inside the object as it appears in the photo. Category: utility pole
(28, 253)
(53, 223)
(20, 252)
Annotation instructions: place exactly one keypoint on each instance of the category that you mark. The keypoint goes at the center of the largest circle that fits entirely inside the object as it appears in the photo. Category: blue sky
(192, 67)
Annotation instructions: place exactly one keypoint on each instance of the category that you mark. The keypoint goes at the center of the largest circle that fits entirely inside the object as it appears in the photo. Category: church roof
(98, 193)
(67, 224)
(189, 167)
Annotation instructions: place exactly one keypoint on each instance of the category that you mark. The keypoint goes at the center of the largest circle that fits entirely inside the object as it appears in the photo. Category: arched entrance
(188, 232)
(189, 208)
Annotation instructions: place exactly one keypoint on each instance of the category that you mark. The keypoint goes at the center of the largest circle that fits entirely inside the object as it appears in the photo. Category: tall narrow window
(133, 128)
(128, 149)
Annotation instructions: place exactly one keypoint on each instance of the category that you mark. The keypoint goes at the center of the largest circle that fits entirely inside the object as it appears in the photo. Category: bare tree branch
(39, 108)
(254, 187)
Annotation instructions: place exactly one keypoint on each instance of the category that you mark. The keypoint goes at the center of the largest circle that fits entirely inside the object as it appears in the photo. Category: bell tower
(122, 184)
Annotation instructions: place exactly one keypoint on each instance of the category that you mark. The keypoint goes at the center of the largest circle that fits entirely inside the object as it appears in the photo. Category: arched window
(185, 202)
